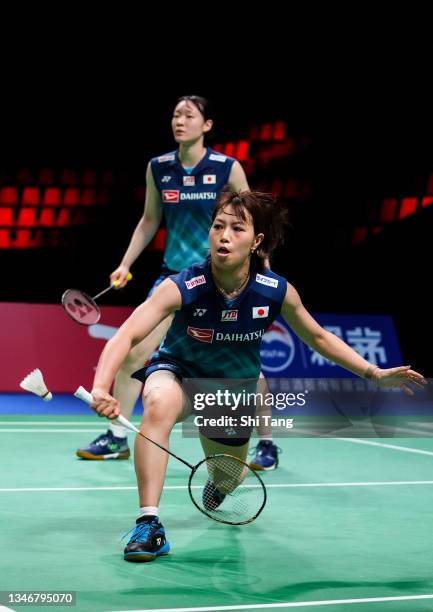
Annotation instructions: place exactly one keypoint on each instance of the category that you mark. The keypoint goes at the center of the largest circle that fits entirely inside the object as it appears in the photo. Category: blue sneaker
(212, 498)
(266, 457)
(147, 542)
(106, 446)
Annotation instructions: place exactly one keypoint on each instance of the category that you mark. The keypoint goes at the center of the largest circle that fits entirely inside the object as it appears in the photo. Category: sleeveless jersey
(188, 200)
(209, 339)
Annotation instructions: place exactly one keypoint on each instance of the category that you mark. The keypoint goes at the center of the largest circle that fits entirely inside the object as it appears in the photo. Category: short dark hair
(270, 218)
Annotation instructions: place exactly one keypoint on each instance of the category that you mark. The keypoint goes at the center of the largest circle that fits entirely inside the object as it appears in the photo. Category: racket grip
(128, 278)
(85, 396)
(121, 419)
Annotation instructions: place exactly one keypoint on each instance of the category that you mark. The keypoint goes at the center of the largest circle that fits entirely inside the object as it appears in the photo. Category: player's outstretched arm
(335, 349)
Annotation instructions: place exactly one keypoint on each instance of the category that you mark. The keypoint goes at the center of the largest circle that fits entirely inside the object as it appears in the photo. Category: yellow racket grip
(128, 278)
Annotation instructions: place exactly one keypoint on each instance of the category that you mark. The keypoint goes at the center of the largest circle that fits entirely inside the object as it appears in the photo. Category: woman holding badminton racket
(221, 308)
(183, 185)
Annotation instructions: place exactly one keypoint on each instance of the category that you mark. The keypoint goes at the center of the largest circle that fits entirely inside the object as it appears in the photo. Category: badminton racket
(216, 484)
(83, 308)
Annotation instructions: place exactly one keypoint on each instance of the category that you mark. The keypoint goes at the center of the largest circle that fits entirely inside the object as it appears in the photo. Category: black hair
(269, 217)
(202, 104)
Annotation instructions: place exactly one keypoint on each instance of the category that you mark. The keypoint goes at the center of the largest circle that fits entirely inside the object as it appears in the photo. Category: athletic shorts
(233, 435)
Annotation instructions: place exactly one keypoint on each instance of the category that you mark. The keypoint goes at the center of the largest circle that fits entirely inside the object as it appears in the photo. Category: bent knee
(161, 406)
(155, 404)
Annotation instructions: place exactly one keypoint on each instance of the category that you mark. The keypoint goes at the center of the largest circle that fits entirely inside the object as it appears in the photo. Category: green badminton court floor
(348, 526)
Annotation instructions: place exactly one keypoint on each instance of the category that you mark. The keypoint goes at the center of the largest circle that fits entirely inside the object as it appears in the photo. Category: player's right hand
(119, 276)
(104, 404)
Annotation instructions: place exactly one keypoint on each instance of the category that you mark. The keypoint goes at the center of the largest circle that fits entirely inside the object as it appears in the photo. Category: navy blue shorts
(238, 437)
(157, 364)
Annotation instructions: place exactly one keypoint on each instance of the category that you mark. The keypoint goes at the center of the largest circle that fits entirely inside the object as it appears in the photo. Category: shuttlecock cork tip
(34, 382)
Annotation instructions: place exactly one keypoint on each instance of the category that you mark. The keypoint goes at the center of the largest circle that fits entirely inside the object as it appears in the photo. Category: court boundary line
(299, 604)
(73, 430)
(41, 423)
(403, 449)
(300, 485)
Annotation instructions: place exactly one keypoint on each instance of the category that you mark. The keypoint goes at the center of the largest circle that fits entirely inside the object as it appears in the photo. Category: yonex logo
(165, 179)
(199, 312)
(202, 335)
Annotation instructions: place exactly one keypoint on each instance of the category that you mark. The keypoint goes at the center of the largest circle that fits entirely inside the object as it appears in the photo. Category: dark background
(368, 138)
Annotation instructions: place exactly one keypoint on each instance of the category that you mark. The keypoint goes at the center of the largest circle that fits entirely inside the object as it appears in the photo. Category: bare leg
(266, 455)
(127, 389)
(224, 480)
(264, 428)
(165, 405)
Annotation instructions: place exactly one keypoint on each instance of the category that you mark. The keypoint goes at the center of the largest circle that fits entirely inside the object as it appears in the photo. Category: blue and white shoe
(266, 456)
(147, 542)
(106, 446)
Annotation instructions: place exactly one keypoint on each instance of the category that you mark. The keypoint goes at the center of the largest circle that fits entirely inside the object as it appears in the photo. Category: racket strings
(220, 489)
(80, 307)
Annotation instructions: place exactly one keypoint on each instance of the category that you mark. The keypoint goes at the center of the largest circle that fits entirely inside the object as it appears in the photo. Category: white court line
(424, 425)
(308, 485)
(20, 430)
(403, 449)
(52, 430)
(297, 604)
(42, 423)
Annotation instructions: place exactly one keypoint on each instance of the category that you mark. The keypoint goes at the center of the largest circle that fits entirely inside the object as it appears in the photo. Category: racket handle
(128, 278)
(121, 419)
(85, 396)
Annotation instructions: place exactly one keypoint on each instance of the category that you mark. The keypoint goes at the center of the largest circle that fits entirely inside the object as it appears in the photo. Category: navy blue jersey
(188, 200)
(208, 338)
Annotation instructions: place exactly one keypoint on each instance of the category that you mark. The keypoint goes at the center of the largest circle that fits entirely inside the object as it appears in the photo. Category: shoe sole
(143, 557)
(260, 468)
(82, 454)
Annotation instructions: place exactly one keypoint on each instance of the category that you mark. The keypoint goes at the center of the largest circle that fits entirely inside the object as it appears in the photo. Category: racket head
(81, 307)
(225, 475)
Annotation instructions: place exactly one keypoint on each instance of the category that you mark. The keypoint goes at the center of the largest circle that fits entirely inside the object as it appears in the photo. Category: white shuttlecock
(34, 382)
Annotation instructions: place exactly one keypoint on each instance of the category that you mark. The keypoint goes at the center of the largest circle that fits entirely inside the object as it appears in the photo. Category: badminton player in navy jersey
(202, 343)
(182, 185)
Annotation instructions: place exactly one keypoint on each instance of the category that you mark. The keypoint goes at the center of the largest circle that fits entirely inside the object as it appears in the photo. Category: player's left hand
(403, 377)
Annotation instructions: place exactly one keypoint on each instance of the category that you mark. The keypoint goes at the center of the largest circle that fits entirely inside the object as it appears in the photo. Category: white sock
(118, 430)
(266, 438)
(149, 511)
